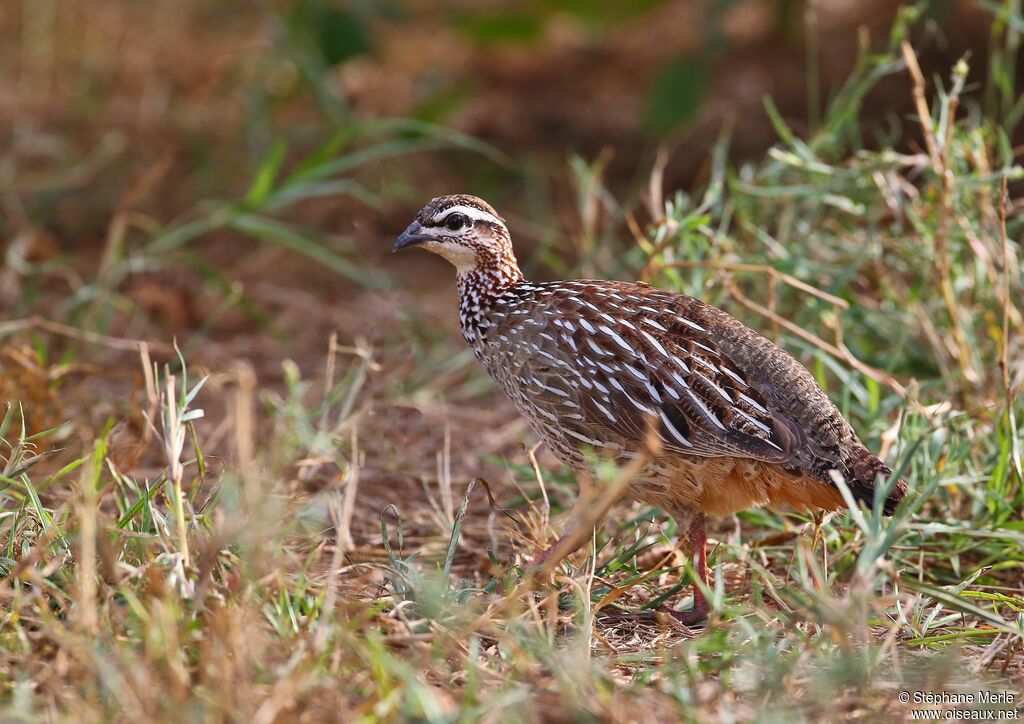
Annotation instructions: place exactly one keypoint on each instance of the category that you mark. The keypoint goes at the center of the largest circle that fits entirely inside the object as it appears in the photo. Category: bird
(720, 418)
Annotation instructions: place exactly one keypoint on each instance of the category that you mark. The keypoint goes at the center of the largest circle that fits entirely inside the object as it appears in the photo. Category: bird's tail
(864, 471)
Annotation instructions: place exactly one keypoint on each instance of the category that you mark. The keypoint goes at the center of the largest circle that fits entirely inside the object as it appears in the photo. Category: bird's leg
(697, 538)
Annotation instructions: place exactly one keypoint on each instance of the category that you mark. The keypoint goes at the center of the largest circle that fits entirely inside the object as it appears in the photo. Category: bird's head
(464, 230)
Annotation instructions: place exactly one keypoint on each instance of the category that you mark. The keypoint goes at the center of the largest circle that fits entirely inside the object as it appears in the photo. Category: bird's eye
(455, 222)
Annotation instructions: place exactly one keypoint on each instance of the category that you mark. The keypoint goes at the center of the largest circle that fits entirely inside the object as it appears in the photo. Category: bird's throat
(478, 289)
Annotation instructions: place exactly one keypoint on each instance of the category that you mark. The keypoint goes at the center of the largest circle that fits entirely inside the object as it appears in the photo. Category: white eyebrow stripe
(470, 212)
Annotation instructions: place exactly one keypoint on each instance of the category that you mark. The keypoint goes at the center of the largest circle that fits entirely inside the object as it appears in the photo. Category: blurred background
(227, 178)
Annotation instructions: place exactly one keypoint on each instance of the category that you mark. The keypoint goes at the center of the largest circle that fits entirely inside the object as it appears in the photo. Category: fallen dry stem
(921, 103)
(775, 275)
(591, 512)
(42, 324)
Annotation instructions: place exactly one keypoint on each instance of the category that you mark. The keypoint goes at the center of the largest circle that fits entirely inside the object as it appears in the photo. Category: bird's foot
(696, 615)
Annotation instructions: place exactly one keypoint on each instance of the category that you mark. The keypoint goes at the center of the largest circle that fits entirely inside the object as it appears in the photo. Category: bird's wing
(643, 361)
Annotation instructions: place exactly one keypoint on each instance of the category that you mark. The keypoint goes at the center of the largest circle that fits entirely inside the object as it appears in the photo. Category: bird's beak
(411, 236)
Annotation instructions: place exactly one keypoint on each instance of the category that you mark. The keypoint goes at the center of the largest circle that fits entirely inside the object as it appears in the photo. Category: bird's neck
(479, 287)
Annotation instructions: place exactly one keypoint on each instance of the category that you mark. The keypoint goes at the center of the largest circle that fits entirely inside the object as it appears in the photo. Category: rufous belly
(722, 486)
